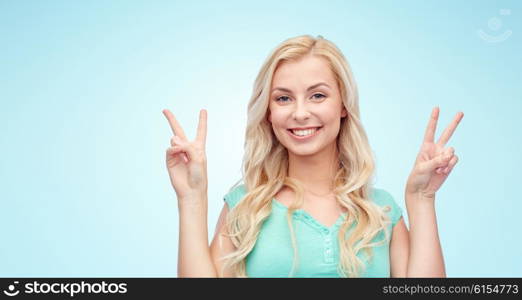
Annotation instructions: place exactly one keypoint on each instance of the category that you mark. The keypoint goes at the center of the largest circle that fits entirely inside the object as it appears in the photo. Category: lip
(304, 128)
(304, 138)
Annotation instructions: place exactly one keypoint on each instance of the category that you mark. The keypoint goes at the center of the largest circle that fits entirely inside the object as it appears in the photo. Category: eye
(320, 96)
(281, 98)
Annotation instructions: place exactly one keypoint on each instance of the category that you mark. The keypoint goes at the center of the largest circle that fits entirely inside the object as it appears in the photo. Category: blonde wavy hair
(265, 167)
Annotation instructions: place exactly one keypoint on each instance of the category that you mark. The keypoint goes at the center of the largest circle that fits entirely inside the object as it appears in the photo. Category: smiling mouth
(304, 133)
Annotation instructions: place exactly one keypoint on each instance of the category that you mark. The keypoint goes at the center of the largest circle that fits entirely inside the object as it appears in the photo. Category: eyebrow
(308, 89)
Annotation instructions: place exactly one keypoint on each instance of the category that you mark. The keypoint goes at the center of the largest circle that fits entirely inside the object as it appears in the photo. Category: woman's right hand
(187, 161)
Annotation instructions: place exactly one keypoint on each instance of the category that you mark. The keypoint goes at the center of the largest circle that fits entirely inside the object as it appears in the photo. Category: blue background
(84, 189)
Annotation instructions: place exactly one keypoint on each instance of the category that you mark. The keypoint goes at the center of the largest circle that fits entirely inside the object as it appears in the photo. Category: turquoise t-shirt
(317, 245)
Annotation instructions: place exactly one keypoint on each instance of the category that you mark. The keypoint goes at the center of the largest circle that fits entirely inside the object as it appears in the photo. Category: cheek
(333, 127)
(277, 119)
(334, 131)
(276, 123)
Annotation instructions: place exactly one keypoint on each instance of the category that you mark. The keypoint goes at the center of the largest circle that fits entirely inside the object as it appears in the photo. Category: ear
(344, 112)
(269, 117)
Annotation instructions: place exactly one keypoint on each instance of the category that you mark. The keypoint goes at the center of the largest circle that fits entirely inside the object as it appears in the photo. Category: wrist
(192, 201)
(419, 199)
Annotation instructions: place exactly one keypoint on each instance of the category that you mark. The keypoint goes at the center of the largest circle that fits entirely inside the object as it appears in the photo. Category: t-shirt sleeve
(234, 196)
(386, 201)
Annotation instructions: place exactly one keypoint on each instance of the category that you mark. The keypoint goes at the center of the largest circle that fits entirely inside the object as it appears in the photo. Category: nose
(301, 111)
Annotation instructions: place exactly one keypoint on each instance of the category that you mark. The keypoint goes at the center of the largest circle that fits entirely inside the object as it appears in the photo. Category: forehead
(305, 71)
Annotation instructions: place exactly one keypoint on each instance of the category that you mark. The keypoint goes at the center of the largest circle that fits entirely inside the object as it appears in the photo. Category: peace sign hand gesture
(187, 161)
(434, 162)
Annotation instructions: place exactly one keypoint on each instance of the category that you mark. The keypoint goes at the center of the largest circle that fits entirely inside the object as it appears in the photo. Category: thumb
(171, 151)
(186, 147)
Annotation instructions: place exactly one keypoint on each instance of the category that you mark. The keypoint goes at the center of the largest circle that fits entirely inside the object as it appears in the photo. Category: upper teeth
(304, 132)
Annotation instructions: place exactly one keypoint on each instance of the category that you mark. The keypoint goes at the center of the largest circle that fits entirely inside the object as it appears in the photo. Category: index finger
(202, 127)
(429, 135)
(448, 132)
(174, 125)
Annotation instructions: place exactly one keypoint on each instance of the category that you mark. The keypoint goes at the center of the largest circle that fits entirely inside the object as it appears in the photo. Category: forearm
(194, 258)
(426, 259)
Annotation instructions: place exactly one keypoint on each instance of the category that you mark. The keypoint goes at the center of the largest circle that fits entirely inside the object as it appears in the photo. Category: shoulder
(234, 195)
(385, 200)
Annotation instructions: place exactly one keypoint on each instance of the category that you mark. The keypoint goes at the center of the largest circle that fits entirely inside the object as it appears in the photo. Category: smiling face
(305, 106)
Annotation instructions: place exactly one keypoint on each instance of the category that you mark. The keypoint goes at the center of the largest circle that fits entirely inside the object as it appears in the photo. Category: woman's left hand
(434, 162)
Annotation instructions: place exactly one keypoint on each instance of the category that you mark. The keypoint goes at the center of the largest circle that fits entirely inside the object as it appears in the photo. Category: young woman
(305, 206)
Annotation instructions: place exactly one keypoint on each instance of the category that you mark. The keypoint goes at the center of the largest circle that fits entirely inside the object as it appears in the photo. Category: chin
(303, 150)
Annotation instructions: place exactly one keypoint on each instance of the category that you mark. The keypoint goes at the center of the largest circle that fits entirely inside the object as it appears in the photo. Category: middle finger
(448, 132)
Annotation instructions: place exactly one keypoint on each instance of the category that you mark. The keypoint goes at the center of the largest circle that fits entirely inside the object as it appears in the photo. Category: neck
(315, 171)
